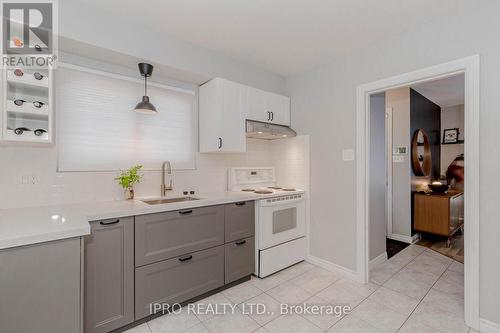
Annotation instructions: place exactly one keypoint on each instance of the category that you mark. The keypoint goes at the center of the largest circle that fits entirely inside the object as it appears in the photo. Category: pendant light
(145, 106)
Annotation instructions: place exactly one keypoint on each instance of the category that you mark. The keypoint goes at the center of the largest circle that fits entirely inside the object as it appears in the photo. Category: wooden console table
(440, 214)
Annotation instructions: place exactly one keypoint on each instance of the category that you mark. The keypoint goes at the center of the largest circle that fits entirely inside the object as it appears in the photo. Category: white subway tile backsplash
(289, 156)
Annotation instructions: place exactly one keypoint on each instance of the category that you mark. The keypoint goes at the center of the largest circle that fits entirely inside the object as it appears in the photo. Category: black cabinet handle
(185, 212)
(240, 203)
(110, 222)
(220, 143)
(241, 242)
(272, 116)
(268, 115)
(186, 258)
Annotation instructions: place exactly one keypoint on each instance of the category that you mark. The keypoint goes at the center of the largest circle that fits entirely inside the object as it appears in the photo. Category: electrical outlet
(34, 180)
(29, 180)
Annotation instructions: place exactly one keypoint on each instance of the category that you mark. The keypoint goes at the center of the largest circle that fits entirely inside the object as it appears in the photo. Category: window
(98, 131)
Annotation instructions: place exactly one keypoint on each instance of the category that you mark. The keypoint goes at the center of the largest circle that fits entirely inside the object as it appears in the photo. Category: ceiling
(286, 37)
(445, 92)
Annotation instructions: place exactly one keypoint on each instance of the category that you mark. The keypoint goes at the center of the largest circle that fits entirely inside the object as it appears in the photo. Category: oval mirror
(421, 153)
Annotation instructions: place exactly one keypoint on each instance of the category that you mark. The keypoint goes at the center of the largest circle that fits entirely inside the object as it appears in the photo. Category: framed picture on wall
(450, 135)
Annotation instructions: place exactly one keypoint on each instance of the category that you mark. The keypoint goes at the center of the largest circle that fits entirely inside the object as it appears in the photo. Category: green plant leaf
(128, 178)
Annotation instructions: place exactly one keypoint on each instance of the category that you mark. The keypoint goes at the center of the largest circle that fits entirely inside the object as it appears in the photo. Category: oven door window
(284, 220)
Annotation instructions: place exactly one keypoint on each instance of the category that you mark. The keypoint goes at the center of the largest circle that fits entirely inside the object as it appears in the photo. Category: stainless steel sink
(168, 200)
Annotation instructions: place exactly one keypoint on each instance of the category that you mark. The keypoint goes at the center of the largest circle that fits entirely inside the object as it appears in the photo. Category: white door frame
(468, 66)
(388, 169)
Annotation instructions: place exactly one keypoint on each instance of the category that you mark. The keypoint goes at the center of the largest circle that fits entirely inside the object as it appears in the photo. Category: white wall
(82, 25)
(451, 117)
(323, 105)
(378, 217)
(399, 101)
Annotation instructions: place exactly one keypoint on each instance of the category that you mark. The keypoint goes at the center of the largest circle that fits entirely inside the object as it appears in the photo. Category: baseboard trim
(330, 266)
(486, 326)
(405, 239)
(378, 260)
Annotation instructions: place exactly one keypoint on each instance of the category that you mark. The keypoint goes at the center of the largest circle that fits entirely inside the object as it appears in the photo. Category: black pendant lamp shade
(145, 106)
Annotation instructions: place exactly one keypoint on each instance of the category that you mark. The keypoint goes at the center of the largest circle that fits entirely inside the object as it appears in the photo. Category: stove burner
(248, 190)
(274, 188)
(289, 189)
(263, 192)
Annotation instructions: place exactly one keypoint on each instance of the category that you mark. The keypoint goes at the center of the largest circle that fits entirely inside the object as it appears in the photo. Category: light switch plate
(348, 154)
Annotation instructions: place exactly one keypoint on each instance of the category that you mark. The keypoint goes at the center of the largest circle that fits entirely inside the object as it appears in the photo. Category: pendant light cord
(145, 85)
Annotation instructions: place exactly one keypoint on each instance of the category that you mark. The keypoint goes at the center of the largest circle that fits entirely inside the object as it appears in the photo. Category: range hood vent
(267, 131)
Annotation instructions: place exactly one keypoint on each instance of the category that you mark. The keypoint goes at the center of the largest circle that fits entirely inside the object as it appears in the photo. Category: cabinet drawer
(240, 259)
(239, 220)
(167, 235)
(179, 279)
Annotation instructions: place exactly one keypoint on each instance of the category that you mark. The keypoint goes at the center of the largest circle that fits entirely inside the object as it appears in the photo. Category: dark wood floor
(393, 247)
(438, 244)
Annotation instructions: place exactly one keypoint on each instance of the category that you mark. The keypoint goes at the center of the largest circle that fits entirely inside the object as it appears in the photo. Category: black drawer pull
(110, 222)
(241, 242)
(240, 203)
(186, 258)
(185, 212)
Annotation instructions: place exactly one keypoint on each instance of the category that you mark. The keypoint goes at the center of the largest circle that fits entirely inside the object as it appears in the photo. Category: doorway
(469, 67)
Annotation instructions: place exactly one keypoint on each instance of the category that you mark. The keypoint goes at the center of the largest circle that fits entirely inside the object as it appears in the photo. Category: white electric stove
(280, 219)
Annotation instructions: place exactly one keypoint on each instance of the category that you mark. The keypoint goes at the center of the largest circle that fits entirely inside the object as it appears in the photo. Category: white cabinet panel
(268, 107)
(209, 118)
(233, 129)
(224, 107)
(279, 106)
(257, 105)
(222, 123)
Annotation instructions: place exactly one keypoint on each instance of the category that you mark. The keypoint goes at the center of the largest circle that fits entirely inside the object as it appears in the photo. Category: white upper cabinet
(224, 107)
(222, 122)
(267, 107)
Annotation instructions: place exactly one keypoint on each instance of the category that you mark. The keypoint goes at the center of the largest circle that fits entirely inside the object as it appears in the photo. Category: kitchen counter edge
(33, 225)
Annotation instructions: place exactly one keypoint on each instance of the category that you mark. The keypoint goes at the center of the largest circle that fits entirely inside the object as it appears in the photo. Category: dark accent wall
(426, 115)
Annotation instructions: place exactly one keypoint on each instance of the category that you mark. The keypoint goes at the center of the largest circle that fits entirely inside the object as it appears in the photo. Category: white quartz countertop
(31, 225)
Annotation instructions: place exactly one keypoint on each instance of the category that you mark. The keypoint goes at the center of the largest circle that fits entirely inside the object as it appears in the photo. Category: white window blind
(97, 129)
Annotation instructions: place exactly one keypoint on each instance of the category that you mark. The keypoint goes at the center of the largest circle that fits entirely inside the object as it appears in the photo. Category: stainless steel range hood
(267, 131)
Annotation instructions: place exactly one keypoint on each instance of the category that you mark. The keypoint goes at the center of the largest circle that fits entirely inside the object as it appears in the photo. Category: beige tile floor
(418, 290)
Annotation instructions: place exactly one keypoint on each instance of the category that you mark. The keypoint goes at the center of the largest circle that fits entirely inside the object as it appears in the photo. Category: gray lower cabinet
(239, 259)
(239, 220)
(166, 235)
(40, 288)
(163, 258)
(109, 275)
(178, 279)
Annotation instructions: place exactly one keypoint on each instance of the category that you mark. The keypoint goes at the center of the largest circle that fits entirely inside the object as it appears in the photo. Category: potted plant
(128, 178)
